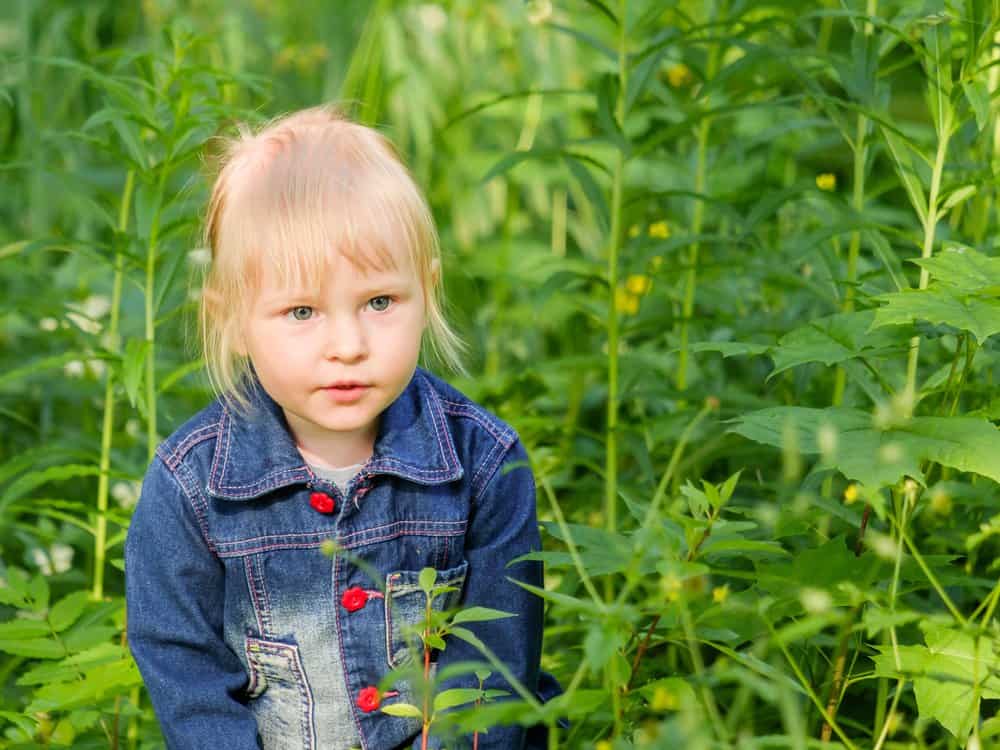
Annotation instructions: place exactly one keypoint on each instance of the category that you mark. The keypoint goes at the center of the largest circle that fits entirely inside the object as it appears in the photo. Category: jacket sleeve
(503, 525)
(174, 591)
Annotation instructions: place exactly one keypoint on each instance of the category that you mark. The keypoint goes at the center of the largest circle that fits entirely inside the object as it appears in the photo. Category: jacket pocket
(405, 604)
(280, 697)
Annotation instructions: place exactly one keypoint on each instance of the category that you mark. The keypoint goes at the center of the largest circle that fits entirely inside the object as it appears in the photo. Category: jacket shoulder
(204, 425)
(459, 407)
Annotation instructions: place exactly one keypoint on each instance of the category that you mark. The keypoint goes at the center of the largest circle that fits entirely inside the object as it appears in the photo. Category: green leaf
(426, 580)
(950, 676)
(877, 458)
(98, 682)
(480, 614)
(731, 348)
(36, 648)
(832, 340)
(66, 611)
(978, 96)
(958, 195)
(941, 304)
(23, 628)
(26, 724)
(899, 148)
(455, 697)
(965, 268)
(406, 710)
(133, 367)
(601, 644)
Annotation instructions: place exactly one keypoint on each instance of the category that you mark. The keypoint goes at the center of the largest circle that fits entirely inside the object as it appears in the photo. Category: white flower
(62, 557)
(84, 323)
(48, 324)
(125, 493)
(97, 367)
(39, 558)
(132, 428)
(74, 368)
(96, 306)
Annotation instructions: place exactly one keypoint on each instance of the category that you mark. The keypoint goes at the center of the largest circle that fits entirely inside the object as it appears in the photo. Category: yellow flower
(660, 230)
(633, 231)
(851, 494)
(663, 700)
(671, 586)
(602, 745)
(638, 284)
(720, 593)
(826, 181)
(625, 302)
(679, 75)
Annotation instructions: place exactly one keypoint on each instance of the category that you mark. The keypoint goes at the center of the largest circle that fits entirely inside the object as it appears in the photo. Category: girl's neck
(334, 449)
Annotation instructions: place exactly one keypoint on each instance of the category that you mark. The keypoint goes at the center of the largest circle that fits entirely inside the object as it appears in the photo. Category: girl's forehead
(313, 272)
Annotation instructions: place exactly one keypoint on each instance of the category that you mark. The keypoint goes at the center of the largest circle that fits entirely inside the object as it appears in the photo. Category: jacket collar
(255, 454)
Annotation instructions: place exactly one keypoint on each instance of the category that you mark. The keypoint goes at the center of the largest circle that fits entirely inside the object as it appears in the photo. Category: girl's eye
(302, 312)
(380, 303)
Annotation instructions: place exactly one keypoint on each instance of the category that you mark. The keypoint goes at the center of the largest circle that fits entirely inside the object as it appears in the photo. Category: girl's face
(334, 357)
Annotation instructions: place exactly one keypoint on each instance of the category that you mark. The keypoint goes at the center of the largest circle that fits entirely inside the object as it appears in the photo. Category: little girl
(325, 273)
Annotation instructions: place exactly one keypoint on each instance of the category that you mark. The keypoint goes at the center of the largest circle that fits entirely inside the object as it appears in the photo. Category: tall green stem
(154, 231)
(107, 424)
(614, 246)
(858, 204)
(697, 218)
(930, 225)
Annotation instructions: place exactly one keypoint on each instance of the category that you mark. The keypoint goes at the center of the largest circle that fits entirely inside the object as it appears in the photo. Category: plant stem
(427, 675)
(107, 422)
(154, 231)
(614, 246)
(698, 215)
(699, 668)
(930, 225)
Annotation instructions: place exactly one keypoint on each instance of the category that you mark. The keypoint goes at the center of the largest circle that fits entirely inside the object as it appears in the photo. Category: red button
(321, 502)
(354, 598)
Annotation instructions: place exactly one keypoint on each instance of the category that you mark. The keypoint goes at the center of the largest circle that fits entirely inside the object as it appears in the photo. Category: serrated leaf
(455, 697)
(66, 611)
(833, 339)
(963, 267)
(480, 614)
(878, 458)
(941, 305)
(950, 676)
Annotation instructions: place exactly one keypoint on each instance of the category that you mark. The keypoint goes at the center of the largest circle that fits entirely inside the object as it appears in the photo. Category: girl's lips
(343, 395)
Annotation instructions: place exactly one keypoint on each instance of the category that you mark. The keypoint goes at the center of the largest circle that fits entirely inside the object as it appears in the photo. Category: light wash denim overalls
(239, 622)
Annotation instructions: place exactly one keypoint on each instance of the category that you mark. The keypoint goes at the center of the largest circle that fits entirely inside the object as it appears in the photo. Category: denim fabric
(235, 615)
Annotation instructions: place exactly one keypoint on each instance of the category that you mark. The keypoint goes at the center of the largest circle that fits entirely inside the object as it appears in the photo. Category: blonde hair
(288, 195)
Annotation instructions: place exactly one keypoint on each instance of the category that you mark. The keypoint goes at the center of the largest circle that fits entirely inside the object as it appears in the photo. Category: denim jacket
(235, 614)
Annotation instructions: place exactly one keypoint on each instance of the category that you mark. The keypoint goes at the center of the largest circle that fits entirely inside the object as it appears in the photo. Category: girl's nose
(345, 340)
